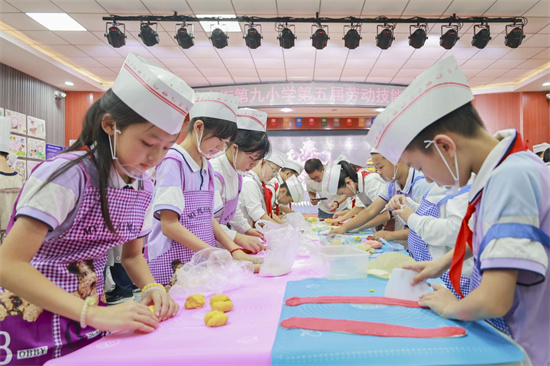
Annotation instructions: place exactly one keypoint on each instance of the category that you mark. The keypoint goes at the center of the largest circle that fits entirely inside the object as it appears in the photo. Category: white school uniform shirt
(372, 186)
(324, 205)
(227, 192)
(251, 200)
(440, 233)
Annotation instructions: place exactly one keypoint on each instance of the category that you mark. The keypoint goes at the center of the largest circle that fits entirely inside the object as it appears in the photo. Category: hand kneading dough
(215, 319)
(221, 303)
(194, 302)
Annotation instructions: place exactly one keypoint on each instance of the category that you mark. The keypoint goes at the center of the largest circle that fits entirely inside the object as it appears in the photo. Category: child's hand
(388, 235)
(338, 214)
(239, 255)
(129, 315)
(439, 300)
(396, 202)
(250, 243)
(165, 306)
(334, 206)
(404, 212)
(256, 233)
(338, 230)
(429, 269)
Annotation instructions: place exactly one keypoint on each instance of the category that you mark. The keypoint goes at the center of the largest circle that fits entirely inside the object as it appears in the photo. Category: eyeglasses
(275, 171)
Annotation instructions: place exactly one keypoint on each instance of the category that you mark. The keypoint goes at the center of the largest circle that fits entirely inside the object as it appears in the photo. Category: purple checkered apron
(229, 206)
(418, 247)
(197, 217)
(74, 261)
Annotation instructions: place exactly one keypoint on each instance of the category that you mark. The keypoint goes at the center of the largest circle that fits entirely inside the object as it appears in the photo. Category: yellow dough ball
(336, 242)
(152, 308)
(221, 303)
(215, 319)
(194, 302)
(220, 297)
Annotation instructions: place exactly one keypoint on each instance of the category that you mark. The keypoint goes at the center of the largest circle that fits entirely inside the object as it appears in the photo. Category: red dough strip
(376, 300)
(370, 328)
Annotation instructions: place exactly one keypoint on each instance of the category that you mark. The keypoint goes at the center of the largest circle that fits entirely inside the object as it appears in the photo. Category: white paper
(399, 285)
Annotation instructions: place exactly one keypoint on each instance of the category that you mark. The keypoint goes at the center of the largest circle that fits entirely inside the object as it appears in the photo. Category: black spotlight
(253, 38)
(148, 35)
(115, 36)
(514, 38)
(286, 38)
(481, 37)
(352, 38)
(185, 38)
(385, 37)
(449, 38)
(418, 37)
(219, 38)
(319, 39)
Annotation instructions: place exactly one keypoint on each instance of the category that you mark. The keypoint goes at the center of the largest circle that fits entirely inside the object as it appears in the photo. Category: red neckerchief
(465, 235)
(268, 196)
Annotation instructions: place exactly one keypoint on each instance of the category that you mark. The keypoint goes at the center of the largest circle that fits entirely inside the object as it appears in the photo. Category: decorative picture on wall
(36, 127)
(36, 149)
(30, 166)
(20, 167)
(18, 122)
(18, 145)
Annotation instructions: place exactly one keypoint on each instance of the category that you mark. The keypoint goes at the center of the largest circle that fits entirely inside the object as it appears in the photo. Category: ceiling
(86, 59)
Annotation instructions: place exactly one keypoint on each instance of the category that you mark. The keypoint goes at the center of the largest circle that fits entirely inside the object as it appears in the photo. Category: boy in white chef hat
(539, 149)
(10, 181)
(434, 127)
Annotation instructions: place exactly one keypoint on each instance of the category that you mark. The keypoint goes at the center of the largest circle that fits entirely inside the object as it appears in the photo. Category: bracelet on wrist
(234, 250)
(89, 301)
(152, 286)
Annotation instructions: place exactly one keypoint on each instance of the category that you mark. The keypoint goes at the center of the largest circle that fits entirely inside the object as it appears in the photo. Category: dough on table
(215, 318)
(194, 301)
(221, 303)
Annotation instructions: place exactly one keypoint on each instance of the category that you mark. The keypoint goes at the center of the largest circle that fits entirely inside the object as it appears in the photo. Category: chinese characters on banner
(311, 93)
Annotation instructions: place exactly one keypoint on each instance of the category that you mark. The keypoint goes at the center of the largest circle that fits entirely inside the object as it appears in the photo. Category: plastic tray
(340, 262)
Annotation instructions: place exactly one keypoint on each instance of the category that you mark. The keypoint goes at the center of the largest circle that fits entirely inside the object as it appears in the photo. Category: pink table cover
(247, 338)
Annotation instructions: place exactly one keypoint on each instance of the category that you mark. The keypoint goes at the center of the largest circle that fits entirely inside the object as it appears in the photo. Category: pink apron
(197, 217)
(74, 261)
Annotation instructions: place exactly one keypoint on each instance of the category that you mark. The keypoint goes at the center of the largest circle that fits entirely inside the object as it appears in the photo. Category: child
(74, 208)
(256, 200)
(540, 148)
(546, 156)
(242, 155)
(433, 227)
(290, 191)
(184, 194)
(401, 180)
(345, 180)
(315, 170)
(434, 127)
(10, 181)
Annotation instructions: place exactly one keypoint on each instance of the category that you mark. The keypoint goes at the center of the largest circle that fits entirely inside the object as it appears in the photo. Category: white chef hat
(331, 176)
(296, 189)
(5, 129)
(433, 94)
(276, 157)
(251, 119)
(537, 149)
(215, 105)
(154, 93)
(294, 165)
(12, 157)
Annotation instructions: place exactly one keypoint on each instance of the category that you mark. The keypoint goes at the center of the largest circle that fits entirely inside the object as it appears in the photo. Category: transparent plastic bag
(283, 244)
(297, 221)
(211, 271)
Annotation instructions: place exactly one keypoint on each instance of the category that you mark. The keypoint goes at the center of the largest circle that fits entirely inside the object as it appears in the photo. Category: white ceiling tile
(128, 7)
(269, 79)
(461, 53)
(299, 72)
(409, 72)
(269, 63)
(341, 8)
(517, 73)
(300, 52)
(426, 8)
(267, 52)
(545, 54)
(234, 52)
(21, 22)
(365, 64)
(389, 63)
(541, 8)
(189, 70)
(33, 6)
(66, 51)
(299, 63)
(418, 64)
(389, 8)
(111, 62)
(534, 63)
(80, 38)
(99, 51)
(510, 8)
(491, 72)
(327, 72)
(475, 82)
(428, 53)
(382, 72)
(239, 62)
(168, 52)
(326, 78)
(365, 51)
(466, 8)
(91, 22)
(507, 63)
(491, 53)
(196, 81)
(210, 72)
(355, 72)
(85, 62)
(358, 79)
(537, 24)
(329, 63)
(470, 73)
(211, 7)
(201, 52)
(255, 7)
(395, 52)
(79, 7)
(536, 40)
(166, 6)
(306, 8)
(379, 79)
(246, 79)
(243, 72)
(45, 37)
(523, 52)
(271, 73)
(103, 72)
(476, 64)
(220, 80)
(333, 51)
(402, 80)
(135, 48)
(7, 8)
(209, 63)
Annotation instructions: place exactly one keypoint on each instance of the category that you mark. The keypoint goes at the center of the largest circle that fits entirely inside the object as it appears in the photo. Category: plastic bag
(211, 271)
(283, 243)
(297, 221)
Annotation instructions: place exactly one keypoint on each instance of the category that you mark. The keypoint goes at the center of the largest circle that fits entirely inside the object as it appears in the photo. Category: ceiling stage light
(514, 37)
(185, 38)
(450, 37)
(218, 38)
(253, 38)
(352, 38)
(148, 35)
(115, 36)
(385, 37)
